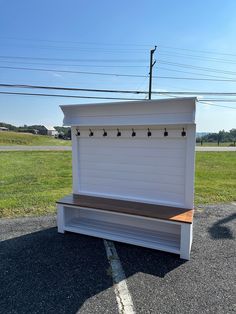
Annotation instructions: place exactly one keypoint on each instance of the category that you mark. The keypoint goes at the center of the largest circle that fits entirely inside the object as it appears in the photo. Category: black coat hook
(165, 133)
(104, 132)
(183, 133)
(118, 132)
(77, 132)
(90, 132)
(149, 133)
(133, 133)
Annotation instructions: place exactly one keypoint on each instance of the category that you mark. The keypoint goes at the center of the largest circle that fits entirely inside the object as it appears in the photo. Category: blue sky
(116, 37)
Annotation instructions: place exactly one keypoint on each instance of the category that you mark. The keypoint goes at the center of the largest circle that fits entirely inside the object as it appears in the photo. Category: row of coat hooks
(133, 133)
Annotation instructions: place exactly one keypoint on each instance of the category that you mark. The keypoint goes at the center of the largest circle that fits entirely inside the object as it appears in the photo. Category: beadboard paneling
(151, 170)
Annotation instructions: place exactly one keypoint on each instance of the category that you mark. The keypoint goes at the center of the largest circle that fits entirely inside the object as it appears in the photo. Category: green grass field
(15, 138)
(215, 177)
(31, 182)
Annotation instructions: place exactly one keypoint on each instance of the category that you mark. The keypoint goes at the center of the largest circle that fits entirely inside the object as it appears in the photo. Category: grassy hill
(14, 138)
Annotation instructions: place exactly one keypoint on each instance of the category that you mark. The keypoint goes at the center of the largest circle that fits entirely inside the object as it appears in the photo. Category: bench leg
(60, 218)
(186, 240)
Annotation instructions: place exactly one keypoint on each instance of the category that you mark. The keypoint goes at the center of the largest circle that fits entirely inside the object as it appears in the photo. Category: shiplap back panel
(143, 169)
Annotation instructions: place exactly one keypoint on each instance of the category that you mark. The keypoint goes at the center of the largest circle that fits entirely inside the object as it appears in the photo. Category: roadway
(68, 148)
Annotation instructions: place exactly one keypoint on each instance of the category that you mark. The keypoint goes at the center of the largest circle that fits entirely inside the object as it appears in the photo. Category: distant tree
(64, 132)
(220, 137)
(9, 126)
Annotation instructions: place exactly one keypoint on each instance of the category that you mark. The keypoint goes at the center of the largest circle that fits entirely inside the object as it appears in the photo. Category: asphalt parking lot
(46, 272)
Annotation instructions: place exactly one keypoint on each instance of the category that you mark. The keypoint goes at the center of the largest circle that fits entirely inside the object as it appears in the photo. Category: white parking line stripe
(123, 297)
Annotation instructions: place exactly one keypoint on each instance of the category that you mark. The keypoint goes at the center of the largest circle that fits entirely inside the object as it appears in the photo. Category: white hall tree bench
(133, 173)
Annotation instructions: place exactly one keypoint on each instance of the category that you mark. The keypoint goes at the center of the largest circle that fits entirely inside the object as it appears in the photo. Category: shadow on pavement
(137, 259)
(219, 231)
(46, 272)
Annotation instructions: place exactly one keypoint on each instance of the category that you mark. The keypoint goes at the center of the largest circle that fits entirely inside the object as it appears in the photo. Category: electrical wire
(219, 100)
(196, 67)
(72, 88)
(78, 65)
(72, 60)
(197, 57)
(215, 105)
(116, 74)
(92, 97)
(199, 93)
(95, 44)
(112, 66)
(66, 96)
(198, 51)
(77, 42)
(28, 86)
(194, 73)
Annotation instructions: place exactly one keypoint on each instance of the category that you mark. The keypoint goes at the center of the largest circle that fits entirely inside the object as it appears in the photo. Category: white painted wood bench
(154, 226)
(133, 173)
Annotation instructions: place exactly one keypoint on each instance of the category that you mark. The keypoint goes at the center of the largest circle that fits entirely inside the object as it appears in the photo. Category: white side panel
(60, 218)
(190, 166)
(144, 169)
(186, 240)
(75, 160)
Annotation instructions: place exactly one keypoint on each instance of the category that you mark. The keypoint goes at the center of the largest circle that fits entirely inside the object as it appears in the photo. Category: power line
(111, 66)
(72, 60)
(147, 45)
(66, 96)
(120, 60)
(199, 51)
(70, 71)
(120, 45)
(206, 103)
(194, 73)
(115, 74)
(80, 49)
(194, 79)
(197, 57)
(215, 105)
(219, 100)
(28, 86)
(199, 93)
(91, 97)
(71, 88)
(114, 66)
(196, 67)
(78, 65)
(76, 42)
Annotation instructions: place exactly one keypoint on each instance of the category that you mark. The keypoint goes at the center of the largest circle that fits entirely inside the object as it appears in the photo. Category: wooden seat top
(129, 207)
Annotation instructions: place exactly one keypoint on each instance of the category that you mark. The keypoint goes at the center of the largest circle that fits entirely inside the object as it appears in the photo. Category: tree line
(37, 129)
(220, 137)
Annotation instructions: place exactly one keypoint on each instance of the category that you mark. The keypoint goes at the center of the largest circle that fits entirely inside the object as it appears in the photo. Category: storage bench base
(164, 235)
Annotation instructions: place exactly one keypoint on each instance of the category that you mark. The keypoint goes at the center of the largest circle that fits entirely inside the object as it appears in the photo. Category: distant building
(2, 128)
(50, 130)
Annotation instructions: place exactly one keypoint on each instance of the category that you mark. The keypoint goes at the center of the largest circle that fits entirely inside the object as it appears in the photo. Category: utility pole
(150, 72)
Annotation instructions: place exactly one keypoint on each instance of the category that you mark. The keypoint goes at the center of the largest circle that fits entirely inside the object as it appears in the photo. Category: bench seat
(128, 207)
(160, 227)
